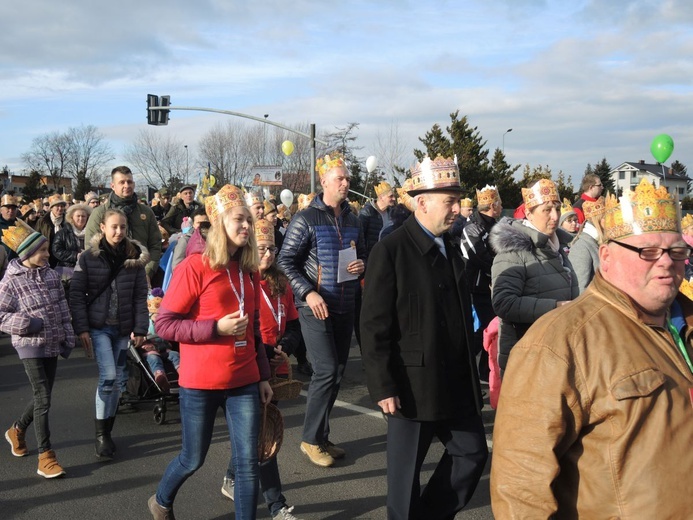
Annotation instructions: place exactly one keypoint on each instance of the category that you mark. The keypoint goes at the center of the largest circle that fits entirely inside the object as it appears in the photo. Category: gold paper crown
(67, 197)
(269, 207)
(566, 206)
(332, 160)
(687, 221)
(440, 174)
(686, 288)
(594, 209)
(26, 209)
(404, 197)
(54, 199)
(254, 197)
(227, 197)
(645, 210)
(264, 231)
(355, 206)
(544, 190)
(381, 188)
(487, 196)
(305, 200)
(13, 236)
(466, 203)
(9, 200)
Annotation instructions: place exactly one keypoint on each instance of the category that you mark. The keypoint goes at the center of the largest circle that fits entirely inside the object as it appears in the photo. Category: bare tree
(89, 153)
(231, 150)
(392, 153)
(51, 155)
(159, 158)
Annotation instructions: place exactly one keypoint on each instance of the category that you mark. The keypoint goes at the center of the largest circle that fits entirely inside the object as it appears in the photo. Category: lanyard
(241, 298)
(276, 315)
(679, 344)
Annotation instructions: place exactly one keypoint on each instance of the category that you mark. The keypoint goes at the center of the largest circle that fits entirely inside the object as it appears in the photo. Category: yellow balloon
(212, 180)
(287, 147)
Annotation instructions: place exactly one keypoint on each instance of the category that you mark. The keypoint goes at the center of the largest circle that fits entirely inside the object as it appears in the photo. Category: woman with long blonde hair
(212, 310)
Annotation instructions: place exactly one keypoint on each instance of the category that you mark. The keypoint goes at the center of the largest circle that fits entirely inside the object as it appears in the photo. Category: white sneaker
(227, 487)
(285, 513)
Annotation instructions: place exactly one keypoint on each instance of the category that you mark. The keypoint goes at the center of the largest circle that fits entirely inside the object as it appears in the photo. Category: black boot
(104, 443)
(109, 429)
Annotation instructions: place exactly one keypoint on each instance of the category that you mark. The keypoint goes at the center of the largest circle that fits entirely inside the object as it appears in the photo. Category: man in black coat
(416, 333)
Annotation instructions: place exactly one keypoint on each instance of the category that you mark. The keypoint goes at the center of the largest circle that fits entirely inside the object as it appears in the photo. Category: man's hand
(265, 392)
(85, 338)
(277, 360)
(317, 305)
(232, 324)
(137, 340)
(390, 405)
(356, 267)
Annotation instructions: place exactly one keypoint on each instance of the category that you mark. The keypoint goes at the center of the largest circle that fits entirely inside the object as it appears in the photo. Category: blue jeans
(198, 410)
(156, 360)
(41, 374)
(328, 343)
(110, 351)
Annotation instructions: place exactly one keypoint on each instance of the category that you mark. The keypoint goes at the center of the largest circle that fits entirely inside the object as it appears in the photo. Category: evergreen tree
(681, 169)
(502, 176)
(34, 188)
(565, 189)
(602, 168)
(82, 185)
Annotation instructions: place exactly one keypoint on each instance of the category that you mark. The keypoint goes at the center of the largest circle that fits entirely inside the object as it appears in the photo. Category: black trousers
(455, 477)
(41, 374)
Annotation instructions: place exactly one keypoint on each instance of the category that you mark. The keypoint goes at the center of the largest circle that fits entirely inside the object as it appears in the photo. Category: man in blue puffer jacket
(310, 258)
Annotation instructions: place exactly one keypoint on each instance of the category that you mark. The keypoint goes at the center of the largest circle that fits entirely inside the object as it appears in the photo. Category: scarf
(57, 222)
(114, 255)
(127, 206)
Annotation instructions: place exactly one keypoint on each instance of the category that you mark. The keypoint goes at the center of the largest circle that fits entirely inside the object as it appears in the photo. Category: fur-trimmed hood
(137, 254)
(511, 235)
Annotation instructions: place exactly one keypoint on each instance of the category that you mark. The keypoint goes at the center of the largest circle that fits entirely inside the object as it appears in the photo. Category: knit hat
(23, 240)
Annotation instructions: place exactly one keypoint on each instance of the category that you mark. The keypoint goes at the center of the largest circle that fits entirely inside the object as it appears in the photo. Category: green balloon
(662, 147)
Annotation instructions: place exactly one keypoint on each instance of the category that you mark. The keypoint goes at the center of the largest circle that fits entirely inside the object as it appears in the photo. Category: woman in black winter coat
(68, 243)
(108, 300)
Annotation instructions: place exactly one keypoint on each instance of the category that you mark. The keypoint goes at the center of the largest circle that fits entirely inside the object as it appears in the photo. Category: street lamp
(508, 130)
(264, 143)
(187, 164)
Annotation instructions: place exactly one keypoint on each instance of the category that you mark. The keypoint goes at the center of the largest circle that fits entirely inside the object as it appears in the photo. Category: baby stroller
(143, 388)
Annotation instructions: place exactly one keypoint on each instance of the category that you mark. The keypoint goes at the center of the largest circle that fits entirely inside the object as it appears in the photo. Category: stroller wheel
(159, 414)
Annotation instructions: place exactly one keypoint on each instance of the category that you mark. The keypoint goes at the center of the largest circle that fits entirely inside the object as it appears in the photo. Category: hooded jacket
(31, 298)
(91, 275)
(528, 277)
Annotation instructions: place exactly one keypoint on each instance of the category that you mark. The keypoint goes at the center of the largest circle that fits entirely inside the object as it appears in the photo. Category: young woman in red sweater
(212, 310)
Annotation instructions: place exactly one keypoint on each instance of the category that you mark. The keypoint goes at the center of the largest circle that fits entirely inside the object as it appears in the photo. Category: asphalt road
(353, 489)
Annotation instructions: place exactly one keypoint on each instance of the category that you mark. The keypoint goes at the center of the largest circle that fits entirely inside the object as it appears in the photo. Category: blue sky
(577, 81)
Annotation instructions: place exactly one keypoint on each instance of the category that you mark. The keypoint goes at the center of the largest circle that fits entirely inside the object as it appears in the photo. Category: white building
(629, 174)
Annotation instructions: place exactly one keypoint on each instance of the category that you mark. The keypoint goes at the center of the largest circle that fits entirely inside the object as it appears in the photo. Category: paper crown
(304, 200)
(687, 221)
(487, 196)
(566, 206)
(383, 187)
(645, 210)
(439, 174)
(355, 206)
(227, 197)
(594, 209)
(9, 200)
(264, 231)
(544, 190)
(26, 209)
(67, 197)
(269, 207)
(332, 160)
(686, 288)
(22, 239)
(54, 199)
(404, 197)
(254, 197)
(466, 203)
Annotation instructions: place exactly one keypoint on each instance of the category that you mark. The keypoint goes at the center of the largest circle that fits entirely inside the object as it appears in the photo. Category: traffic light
(157, 117)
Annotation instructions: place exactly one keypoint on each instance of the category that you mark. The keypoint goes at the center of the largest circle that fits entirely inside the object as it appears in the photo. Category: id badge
(240, 344)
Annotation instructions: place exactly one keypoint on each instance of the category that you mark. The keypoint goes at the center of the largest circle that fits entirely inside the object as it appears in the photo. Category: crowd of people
(576, 317)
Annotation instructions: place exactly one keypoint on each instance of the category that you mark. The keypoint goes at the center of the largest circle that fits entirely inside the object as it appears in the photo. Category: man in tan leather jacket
(595, 418)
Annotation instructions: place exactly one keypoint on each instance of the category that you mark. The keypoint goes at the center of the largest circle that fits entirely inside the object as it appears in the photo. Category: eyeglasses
(262, 250)
(655, 253)
(598, 185)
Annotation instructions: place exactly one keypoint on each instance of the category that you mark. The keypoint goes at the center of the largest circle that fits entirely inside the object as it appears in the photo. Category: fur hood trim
(511, 235)
(138, 255)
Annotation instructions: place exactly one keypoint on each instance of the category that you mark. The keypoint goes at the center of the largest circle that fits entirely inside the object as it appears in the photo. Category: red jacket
(196, 299)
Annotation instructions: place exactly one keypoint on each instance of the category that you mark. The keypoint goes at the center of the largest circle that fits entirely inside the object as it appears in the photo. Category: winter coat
(371, 224)
(45, 226)
(66, 247)
(477, 252)
(416, 327)
(491, 348)
(584, 256)
(33, 309)
(142, 227)
(310, 254)
(173, 220)
(528, 279)
(91, 275)
(594, 418)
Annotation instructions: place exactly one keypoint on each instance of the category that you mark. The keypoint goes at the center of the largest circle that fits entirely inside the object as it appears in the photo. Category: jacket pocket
(640, 384)
(412, 358)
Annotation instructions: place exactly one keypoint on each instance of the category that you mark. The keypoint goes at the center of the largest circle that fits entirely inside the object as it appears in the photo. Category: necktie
(441, 246)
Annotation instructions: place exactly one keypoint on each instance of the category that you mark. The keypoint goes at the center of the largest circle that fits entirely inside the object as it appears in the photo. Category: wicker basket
(271, 434)
(285, 388)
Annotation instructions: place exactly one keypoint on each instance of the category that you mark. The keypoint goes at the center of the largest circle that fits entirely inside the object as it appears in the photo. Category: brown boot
(15, 437)
(159, 512)
(48, 465)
